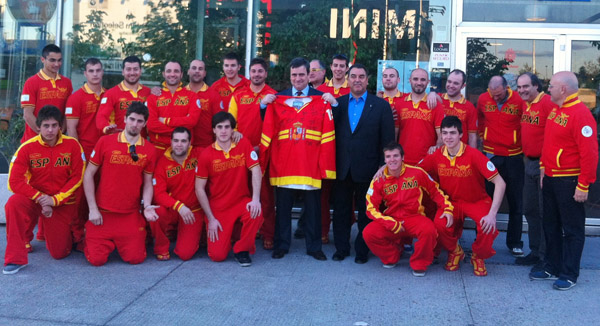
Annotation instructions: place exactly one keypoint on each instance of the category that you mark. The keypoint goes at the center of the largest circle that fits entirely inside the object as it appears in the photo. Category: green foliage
(92, 39)
(482, 65)
(10, 139)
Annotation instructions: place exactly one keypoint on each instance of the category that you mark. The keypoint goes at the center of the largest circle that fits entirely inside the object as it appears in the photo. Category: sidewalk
(296, 290)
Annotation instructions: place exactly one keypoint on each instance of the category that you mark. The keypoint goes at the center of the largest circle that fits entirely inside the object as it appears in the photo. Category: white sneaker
(418, 273)
(389, 265)
(517, 252)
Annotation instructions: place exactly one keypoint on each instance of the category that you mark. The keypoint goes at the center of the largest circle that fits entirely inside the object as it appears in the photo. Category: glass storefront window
(532, 11)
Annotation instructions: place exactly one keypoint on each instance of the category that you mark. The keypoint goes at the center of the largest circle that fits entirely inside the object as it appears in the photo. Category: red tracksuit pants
(483, 242)
(124, 231)
(267, 201)
(387, 246)
(188, 235)
(22, 215)
(219, 249)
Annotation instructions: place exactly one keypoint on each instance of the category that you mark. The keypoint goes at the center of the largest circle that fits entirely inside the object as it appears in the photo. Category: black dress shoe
(318, 255)
(361, 260)
(299, 234)
(278, 253)
(530, 259)
(340, 255)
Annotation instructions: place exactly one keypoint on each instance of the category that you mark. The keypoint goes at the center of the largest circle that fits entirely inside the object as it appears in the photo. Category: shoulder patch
(199, 104)
(104, 99)
(83, 157)
(254, 156)
(491, 166)
(370, 192)
(24, 97)
(93, 153)
(586, 131)
(154, 181)
(69, 110)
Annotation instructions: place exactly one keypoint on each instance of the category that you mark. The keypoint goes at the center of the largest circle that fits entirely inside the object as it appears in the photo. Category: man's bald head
(562, 85)
(569, 80)
(498, 88)
(420, 70)
(497, 81)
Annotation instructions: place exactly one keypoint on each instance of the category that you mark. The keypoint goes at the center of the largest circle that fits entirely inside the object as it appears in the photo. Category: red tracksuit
(462, 178)
(114, 104)
(37, 169)
(401, 199)
(180, 109)
(118, 196)
(394, 104)
(501, 128)
(40, 90)
(245, 108)
(228, 195)
(466, 113)
(222, 92)
(173, 188)
(533, 123)
(202, 134)
(418, 125)
(336, 92)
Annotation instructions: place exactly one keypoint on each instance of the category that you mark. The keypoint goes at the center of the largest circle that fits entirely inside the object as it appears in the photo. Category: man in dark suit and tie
(299, 68)
(363, 126)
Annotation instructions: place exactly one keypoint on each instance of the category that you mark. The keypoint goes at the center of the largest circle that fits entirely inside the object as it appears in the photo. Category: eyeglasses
(133, 154)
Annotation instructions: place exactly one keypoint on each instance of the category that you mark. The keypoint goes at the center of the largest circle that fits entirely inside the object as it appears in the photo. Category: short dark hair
(300, 62)
(132, 59)
(91, 62)
(222, 116)
(232, 56)
(139, 108)
(50, 48)
(174, 61)
(452, 121)
(259, 61)
(321, 63)
(358, 66)
(396, 70)
(392, 146)
(340, 57)
(535, 81)
(461, 73)
(181, 130)
(48, 112)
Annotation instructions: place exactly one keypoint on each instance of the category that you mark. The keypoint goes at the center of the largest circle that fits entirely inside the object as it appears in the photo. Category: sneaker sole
(415, 274)
(543, 278)
(245, 264)
(5, 272)
(563, 289)
(389, 266)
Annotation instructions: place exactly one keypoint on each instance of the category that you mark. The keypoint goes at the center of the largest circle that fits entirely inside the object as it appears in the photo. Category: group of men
(232, 158)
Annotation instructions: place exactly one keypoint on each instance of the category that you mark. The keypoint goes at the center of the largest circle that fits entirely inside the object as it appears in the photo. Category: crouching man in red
(401, 190)
(179, 211)
(126, 163)
(44, 173)
(461, 171)
(223, 172)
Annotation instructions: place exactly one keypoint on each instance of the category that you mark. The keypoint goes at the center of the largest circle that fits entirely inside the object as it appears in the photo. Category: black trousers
(283, 218)
(512, 170)
(346, 192)
(564, 227)
(532, 207)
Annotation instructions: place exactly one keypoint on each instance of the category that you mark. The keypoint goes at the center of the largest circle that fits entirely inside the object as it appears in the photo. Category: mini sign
(441, 47)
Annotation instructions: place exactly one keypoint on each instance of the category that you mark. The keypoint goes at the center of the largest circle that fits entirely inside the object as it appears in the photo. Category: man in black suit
(363, 126)
(299, 68)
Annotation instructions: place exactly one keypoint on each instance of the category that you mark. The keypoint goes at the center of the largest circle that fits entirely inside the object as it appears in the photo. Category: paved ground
(296, 290)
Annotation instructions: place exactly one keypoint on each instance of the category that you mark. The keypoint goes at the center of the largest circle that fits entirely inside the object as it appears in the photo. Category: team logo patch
(491, 166)
(93, 153)
(24, 97)
(198, 104)
(254, 156)
(69, 111)
(154, 181)
(587, 131)
(370, 192)
(146, 103)
(83, 157)
(221, 105)
(103, 100)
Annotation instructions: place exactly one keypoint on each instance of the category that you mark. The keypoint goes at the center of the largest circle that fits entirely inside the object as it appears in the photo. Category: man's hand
(433, 99)
(236, 136)
(449, 217)
(431, 150)
(186, 215)
(268, 99)
(379, 174)
(327, 97)
(112, 129)
(45, 200)
(156, 91)
(254, 208)
(213, 228)
(580, 196)
(95, 217)
(47, 211)
(150, 213)
(488, 223)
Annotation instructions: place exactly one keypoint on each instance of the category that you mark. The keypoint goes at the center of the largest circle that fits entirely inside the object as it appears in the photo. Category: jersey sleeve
(98, 152)
(438, 115)
(471, 118)
(584, 133)
(327, 147)
(152, 158)
(29, 94)
(153, 124)
(76, 177)
(104, 112)
(191, 119)
(266, 137)
(484, 166)
(374, 199)
(202, 169)
(18, 175)
(429, 164)
(161, 195)
(435, 193)
(73, 107)
(252, 157)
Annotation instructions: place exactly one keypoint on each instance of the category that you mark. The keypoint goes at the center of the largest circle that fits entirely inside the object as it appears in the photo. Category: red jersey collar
(387, 174)
(571, 100)
(508, 89)
(344, 85)
(165, 88)
(461, 151)
(46, 77)
(204, 88)
(462, 100)
(170, 156)
(88, 90)
(218, 148)
(123, 139)
(398, 94)
(59, 139)
(125, 89)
